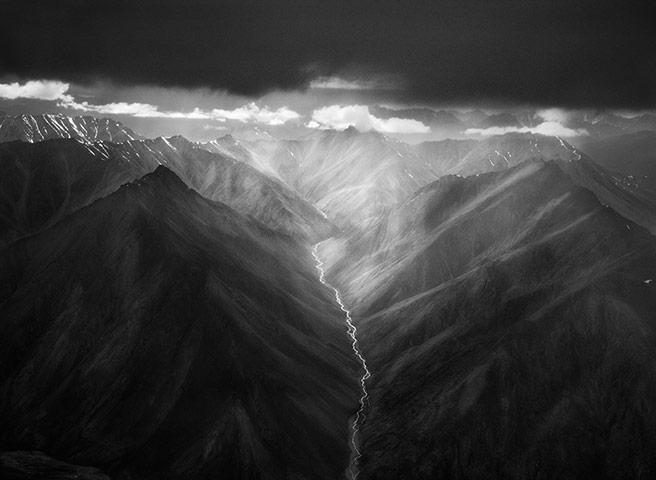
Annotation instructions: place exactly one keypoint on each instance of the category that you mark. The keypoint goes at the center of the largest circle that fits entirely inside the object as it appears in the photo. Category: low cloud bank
(358, 116)
(247, 113)
(338, 83)
(554, 123)
(57, 91)
(545, 128)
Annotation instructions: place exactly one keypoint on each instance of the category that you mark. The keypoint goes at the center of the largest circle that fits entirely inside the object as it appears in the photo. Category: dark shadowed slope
(508, 321)
(631, 154)
(22, 465)
(36, 128)
(43, 182)
(602, 124)
(163, 335)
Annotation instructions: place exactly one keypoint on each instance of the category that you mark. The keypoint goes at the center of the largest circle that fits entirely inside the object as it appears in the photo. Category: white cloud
(214, 127)
(557, 115)
(550, 128)
(253, 113)
(247, 113)
(35, 89)
(380, 82)
(141, 110)
(336, 83)
(358, 116)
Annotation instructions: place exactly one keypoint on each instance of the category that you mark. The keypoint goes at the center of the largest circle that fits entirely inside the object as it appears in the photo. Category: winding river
(352, 332)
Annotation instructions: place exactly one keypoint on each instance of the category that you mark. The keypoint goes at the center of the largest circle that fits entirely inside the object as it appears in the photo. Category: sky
(200, 66)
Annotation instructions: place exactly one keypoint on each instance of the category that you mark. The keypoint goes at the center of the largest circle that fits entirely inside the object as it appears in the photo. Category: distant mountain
(629, 154)
(444, 156)
(494, 153)
(508, 323)
(250, 132)
(641, 123)
(351, 176)
(158, 334)
(230, 147)
(354, 176)
(45, 181)
(36, 128)
(499, 120)
(472, 117)
(500, 152)
(603, 124)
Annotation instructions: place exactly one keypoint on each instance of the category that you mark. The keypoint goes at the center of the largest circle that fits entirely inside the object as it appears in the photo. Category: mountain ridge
(156, 278)
(88, 129)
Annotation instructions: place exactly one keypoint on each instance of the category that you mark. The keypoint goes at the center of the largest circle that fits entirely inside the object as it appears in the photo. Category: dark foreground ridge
(158, 334)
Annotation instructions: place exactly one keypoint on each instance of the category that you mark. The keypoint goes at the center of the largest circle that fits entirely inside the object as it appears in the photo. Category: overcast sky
(210, 62)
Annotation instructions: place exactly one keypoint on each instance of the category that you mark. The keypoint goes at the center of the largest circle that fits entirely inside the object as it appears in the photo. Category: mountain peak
(161, 176)
(163, 173)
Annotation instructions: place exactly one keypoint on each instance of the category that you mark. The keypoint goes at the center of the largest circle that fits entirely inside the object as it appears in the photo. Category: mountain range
(36, 128)
(45, 181)
(163, 315)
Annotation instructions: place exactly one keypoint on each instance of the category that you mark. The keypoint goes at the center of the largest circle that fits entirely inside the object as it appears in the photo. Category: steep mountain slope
(157, 334)
(22, 465)
(603, 124)
(495, 153)
(356, 177)
(508, 321)
(443, 156)
(630, 154)
(351, 176)
(628, 196)
(229, 181)
(43, 182)
(230, 147)
(36, 128)
(633, 157)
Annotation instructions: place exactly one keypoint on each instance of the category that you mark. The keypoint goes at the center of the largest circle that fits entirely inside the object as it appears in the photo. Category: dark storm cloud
(572, 53)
